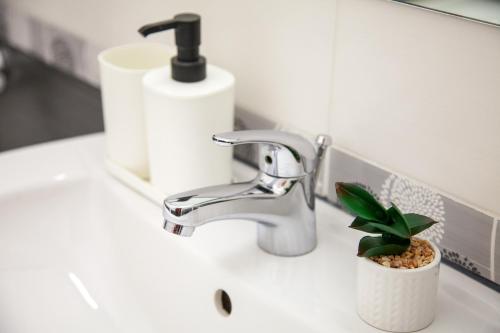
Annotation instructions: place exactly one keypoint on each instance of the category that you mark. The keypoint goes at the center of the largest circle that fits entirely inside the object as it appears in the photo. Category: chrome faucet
(280, 198)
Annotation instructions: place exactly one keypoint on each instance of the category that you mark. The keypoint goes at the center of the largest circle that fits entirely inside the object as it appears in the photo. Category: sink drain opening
(223, 303)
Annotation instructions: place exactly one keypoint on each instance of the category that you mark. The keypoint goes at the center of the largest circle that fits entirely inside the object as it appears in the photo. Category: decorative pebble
(419, 254)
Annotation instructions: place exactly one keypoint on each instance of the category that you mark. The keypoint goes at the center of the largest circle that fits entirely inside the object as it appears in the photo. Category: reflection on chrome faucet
(280, 199)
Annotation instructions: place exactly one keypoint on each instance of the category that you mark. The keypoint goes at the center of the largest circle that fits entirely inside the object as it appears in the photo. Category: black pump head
(188, 65)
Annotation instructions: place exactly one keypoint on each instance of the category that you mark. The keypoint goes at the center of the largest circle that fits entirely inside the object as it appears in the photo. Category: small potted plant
(397, 275)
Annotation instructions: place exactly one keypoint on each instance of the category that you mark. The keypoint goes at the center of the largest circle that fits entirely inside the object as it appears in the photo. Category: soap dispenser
(185, 104)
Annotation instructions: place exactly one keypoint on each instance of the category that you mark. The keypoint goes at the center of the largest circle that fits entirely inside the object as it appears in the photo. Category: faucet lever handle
(281, 154)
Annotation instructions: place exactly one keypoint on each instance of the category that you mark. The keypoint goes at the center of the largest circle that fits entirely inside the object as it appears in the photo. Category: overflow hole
(223, 303)
(268, 159)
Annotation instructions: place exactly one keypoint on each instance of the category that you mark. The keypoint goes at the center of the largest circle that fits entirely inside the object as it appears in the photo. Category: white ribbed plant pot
(398, 300)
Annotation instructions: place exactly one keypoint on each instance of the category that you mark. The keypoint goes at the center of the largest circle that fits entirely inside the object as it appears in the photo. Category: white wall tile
(418, 92)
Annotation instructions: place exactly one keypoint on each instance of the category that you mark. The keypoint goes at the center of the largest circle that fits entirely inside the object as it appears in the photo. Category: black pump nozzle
(188, 65)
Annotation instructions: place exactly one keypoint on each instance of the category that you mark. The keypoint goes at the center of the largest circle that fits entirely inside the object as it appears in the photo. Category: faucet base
(285, 240)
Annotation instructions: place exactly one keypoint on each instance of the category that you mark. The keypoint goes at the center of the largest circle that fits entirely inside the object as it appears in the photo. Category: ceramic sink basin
(80, 252)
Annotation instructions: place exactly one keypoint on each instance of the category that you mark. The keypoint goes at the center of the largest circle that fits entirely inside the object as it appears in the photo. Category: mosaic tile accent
(463, 233)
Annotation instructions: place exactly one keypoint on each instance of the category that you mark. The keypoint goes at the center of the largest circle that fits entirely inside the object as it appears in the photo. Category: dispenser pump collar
(188, 65)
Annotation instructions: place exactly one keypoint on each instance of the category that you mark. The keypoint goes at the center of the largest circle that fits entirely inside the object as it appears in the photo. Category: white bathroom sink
(80, 252)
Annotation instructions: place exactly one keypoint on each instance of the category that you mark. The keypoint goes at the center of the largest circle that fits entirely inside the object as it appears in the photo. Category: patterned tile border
(469, 239)
(464, 234)
(54, 46)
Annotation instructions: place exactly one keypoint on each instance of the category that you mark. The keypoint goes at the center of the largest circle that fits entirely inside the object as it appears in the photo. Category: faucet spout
(178, 229)
(284, 226)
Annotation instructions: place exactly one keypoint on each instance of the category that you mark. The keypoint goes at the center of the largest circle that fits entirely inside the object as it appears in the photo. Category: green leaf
(399, 222)
(360, 202)
(395, 229)
(372, 227)
(418, 223)
(361, 224)
(374, 246)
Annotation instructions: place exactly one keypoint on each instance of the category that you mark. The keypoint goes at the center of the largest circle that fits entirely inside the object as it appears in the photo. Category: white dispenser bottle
(185, 104)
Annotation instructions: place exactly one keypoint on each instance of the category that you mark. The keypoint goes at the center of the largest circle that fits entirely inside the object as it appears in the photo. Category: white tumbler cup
(121, 70)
